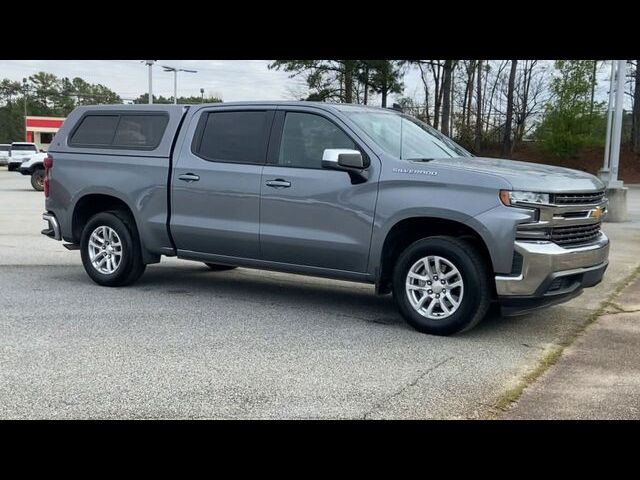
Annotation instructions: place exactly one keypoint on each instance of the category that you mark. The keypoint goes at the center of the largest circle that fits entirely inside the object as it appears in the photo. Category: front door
(310, 215)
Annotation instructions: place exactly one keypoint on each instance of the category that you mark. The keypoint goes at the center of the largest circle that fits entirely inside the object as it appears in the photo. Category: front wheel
(37, 179)
(110, 249)
(441, 285)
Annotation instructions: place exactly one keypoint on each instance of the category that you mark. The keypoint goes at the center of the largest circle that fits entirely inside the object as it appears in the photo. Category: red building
(40, 130)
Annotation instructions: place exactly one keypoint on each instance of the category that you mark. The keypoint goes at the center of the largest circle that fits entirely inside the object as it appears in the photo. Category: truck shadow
(349, 300)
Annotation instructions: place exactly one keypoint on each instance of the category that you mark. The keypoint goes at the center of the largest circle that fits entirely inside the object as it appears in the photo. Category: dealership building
(40, 130)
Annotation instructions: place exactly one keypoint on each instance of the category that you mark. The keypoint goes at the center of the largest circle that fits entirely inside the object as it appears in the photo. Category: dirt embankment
(588, 159)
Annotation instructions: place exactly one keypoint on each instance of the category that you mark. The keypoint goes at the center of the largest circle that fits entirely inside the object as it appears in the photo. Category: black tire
(473, 270)
(37, 179)
(131, 266)
(216, 267)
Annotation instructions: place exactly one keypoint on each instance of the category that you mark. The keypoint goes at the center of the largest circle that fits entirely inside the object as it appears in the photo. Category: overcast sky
(230, 79)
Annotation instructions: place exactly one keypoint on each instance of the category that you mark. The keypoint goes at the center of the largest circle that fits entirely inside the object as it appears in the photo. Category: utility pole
(202, 95)
(175, 79)
(150, 63)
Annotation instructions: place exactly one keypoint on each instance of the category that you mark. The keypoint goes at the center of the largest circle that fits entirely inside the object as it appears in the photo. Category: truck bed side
(85, 175)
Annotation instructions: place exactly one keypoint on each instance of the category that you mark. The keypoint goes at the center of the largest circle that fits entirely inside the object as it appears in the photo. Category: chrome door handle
(278, 183)
(189, 177)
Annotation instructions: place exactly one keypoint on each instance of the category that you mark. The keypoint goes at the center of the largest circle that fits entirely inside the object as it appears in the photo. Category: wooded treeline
(47, 95)
(482, 103)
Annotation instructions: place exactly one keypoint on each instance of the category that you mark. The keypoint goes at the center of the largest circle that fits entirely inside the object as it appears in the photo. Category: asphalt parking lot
(185, 342)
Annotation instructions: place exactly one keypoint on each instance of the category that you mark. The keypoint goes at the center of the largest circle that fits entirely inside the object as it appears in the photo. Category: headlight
(511, 198)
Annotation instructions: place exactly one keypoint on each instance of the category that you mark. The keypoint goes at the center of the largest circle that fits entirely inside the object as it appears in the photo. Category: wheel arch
(410, 229)
(92, 203)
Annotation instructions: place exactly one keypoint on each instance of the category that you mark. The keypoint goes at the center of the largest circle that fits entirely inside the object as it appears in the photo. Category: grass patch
(551, 354)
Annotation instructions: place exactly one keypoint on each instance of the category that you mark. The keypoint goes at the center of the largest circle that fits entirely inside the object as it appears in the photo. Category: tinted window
(120, 131)
(234, 137)
(46, 137)
(24, 148)
(95, 130)
(140, 130)
(4, 148)
(305, 137)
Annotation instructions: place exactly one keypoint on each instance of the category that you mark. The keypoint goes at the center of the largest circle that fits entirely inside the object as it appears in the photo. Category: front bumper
(13, 166)
(551, 274)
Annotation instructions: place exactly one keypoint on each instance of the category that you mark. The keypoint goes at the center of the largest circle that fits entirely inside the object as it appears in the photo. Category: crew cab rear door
(215, 185)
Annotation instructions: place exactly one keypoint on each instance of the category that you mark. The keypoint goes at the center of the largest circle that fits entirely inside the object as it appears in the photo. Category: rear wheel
(216, 267)
(37, 179)
(441, 285)
(110, 249)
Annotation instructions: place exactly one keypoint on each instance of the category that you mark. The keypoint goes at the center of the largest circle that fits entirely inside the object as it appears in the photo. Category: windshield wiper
(420, 159)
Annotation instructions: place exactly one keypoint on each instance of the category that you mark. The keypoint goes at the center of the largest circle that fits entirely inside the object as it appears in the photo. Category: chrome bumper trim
(53, 224)
(543, 259)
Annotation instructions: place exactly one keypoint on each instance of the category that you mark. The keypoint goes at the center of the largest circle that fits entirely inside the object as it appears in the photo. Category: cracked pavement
(185, 342)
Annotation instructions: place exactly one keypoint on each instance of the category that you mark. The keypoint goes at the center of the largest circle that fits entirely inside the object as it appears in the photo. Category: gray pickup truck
(341, 191)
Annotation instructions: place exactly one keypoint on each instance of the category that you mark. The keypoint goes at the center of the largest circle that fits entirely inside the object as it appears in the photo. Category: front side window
(305, 136)
(405, 137)
(237, 137)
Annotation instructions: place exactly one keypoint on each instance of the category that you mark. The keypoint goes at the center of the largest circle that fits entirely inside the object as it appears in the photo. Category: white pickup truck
(19, 152)
(33, 165)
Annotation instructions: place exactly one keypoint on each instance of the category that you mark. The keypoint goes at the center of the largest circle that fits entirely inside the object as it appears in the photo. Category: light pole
(617, 126)
(24, 95)
(202, 95)
(175, 79)
(616, 191)
(604, 173)
(150, 63)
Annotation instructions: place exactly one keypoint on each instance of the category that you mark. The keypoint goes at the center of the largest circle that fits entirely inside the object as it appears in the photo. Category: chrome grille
(575, 234)
(578, 198)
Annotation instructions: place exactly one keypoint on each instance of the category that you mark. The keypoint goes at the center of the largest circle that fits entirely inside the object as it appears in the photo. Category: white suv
(19, 152)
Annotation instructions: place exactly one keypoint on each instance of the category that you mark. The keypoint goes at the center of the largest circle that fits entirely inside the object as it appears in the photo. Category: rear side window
(238, 137)
(95, 130)
(140, 131)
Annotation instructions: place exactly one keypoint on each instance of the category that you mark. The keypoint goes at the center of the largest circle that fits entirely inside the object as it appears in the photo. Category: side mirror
(342, 157)
(347, 160)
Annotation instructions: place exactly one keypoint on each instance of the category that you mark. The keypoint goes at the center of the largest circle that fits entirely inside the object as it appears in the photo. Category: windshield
(406, 137)
(24, 148)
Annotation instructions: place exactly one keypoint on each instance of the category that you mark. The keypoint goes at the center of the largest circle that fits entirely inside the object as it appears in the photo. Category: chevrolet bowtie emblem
(596, 212)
